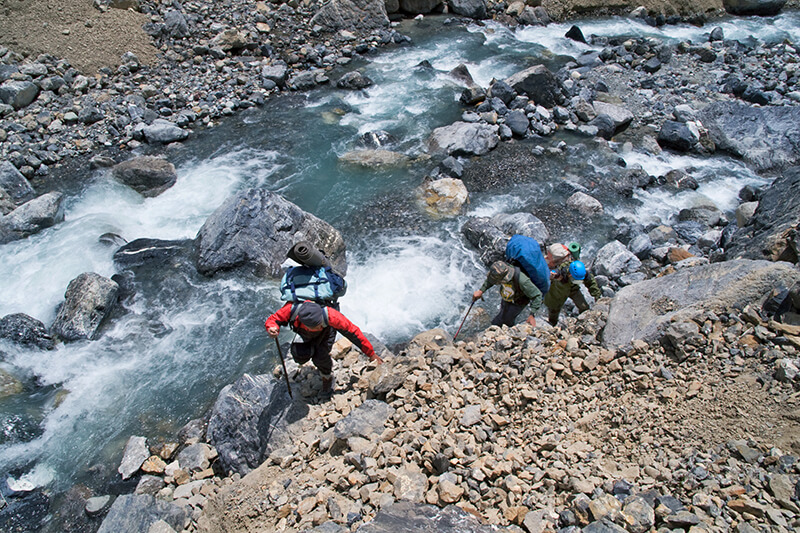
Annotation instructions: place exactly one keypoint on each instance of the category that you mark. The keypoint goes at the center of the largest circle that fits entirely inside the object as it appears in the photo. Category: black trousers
(508, 313)
(316, 349)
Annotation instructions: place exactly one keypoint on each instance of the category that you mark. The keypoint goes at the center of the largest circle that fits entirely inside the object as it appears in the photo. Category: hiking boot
(327, 385)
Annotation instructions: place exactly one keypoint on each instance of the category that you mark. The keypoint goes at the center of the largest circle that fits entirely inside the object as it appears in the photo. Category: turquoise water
(185, 337)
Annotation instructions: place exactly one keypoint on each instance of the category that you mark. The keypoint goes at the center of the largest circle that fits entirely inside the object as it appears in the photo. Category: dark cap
(498, 271)
(311, 315)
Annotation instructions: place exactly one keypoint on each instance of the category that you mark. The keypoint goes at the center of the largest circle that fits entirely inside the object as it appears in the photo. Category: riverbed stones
(89, 299)
(253, 230)
(147, 175)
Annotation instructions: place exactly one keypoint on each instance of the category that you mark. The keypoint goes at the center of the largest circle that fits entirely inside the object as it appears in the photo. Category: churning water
(184, 336)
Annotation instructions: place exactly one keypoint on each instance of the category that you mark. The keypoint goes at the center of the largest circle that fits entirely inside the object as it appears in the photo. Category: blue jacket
(525, 252)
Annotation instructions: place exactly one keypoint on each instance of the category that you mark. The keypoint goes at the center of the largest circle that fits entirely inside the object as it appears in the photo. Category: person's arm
(277, 319)
(594, 288)
(342, 324)
(532, 292)
(477, 295)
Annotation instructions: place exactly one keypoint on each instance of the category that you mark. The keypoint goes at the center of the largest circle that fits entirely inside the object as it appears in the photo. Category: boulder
(15, 184)
(420, 7)
(444, 197)
(354, 80)
(88, 301)
(484, 235)
(32, 217)
(585, 204)
(475, 9)
(163, 131)
(773, 232)
(677, 136)
(135, 454)
(619, 116)
(137, 512)
(644, 310)
(18, 94)
(763, 8)
(464, 139)
(249, 420)
(147, 175)
(538, 84)
(614, 260)
(368, 418)
(522, 224)
(24, 330)
(254, 230)
(767, 138)
(351, 14)
(374, 158)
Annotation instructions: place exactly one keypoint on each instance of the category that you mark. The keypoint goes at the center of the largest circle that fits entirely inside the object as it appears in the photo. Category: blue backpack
(526, 253)
(320, 284)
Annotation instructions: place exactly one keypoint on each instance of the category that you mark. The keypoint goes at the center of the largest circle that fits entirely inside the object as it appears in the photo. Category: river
(185, 337)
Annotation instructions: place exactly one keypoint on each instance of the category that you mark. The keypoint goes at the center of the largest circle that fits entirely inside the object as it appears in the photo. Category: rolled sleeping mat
(575, 249)
(305, 254)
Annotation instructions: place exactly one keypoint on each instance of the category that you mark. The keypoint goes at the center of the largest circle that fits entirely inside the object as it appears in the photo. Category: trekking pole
(465, 319)
(283, 363)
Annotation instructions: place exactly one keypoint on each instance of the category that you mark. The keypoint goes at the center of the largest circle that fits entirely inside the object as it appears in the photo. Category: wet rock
(763, 8)
(135, 454)
(96, 505)
(147, 175)
(89, 299)
(14, 183)
(163, 132)
(538, 84)
(26, 331)
(475, 9)
(522, 224)
(444, 197)
(354, 80)
(614, 259)
(585, 204)
(254, 230)
(484, 235)
(32, 217)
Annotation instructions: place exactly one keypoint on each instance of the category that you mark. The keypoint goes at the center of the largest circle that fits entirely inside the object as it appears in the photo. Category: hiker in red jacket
(317, 326)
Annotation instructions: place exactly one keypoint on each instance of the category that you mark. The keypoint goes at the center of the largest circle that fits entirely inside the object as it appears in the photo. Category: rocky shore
(671, 405)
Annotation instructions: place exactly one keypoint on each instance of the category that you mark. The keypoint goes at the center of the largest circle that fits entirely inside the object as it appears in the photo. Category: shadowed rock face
(772, 232)
(644, 310)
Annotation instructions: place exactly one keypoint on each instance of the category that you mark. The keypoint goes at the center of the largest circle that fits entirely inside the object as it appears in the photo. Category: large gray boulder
(619, 116)
(522, 224)
(137, 512)
(767, 138)
(250, 419)
(351, 15)
(32, 217)
(483, 234)
(254, 230)
(370, 417)
(147, 175)
(410, 517)
(88, 301)
(763, 8)
(417, 7)
(14, 183)
(644, 310)
(538, 84)
(464, 139)
(773, 230)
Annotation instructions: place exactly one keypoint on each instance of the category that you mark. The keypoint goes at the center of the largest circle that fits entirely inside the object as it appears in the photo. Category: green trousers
(557, 296)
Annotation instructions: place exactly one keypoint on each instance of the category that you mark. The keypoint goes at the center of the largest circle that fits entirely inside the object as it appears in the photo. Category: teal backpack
(319, 284)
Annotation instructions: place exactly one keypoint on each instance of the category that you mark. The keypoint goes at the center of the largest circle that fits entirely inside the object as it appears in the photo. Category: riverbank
(241, 505)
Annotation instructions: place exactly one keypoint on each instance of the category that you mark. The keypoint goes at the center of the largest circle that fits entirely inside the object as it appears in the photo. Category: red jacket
(336, 320)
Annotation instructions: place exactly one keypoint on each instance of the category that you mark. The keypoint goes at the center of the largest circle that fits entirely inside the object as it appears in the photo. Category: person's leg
(579, 299)
(301, 352)
(554, 300)
(322, 358)
(552, 316)
(508, 314)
